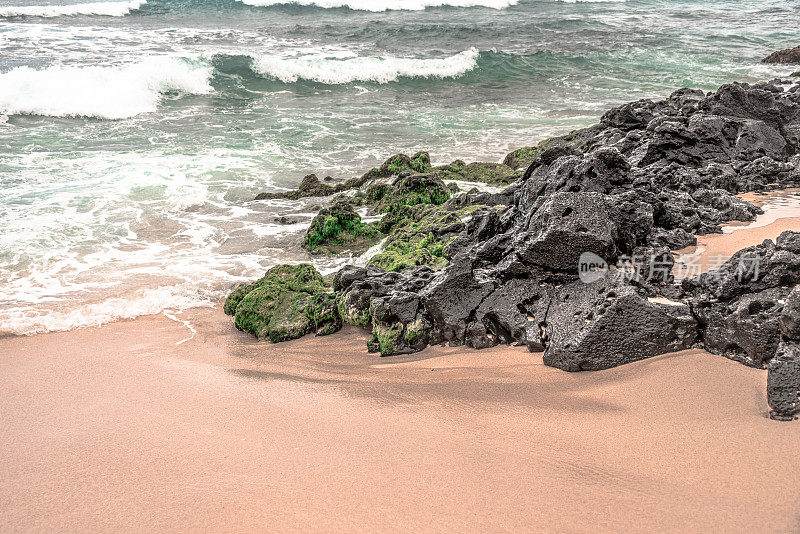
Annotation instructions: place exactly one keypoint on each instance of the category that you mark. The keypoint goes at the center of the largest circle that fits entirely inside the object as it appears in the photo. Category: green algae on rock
(419, 162)
(419, 236)
(488, 173)
(523, 157)
(339, 227)
(288, 302)
(412, 190)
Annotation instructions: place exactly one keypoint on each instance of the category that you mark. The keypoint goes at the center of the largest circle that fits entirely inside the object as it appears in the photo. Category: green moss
(286, 303)
(393, 203)
(413, 190)
(339, 227)
(489, 173)
(385, 338)
(419, 236)
(322, 311)
(419, 162)
(303, 277)
(351, 314)
(523, 157)
(415, 333)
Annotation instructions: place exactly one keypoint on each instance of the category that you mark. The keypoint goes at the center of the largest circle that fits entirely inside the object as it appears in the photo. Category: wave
(385, 5)
(101, 92)
(107, 9)
(335, 71)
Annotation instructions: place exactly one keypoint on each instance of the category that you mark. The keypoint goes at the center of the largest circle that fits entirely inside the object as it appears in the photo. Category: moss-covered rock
(523, 157)
(579, 140)
(412, 190)
(385, 338)
(419, 235)
(488, 173)
(419, 162)
(323, 312)
(339, 227)
(288, 302)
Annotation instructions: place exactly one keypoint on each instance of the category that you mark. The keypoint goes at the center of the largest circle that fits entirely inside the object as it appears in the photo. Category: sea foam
(108, 92)
(322, 69)
(106, 9)
(385, 5)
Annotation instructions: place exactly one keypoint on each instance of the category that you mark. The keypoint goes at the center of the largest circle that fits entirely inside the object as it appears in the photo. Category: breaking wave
(335, 71)
(106, 92)
(107, 9)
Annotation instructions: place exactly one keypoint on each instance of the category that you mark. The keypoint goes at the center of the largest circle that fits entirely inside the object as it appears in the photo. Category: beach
(250, 249)
(145, 424)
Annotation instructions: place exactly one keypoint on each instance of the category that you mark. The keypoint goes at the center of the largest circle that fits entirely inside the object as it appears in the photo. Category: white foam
(106, 9)
(385, 5)
(37, 320)
(108, 92)
(329, 70)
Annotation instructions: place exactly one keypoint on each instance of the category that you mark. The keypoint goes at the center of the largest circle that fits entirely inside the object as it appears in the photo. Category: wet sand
(134, 427)
(781, 213)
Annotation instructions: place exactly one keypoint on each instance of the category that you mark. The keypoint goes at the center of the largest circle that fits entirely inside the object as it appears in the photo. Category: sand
(134, 427)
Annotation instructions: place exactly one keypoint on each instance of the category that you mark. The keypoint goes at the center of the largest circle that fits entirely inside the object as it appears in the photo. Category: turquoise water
(133, 135)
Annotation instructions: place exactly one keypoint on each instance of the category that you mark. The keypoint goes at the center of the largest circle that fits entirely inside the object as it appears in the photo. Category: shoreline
(780, 203)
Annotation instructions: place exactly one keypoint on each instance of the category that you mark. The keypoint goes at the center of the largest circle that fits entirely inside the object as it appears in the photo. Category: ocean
(135, 134)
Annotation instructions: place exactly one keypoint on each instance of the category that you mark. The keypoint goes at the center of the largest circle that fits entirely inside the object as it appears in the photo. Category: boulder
(566, 226)
(310, 186)
(339, 227)
(418, 163)
(745, 329)
(783, 382)
(413, 189)
(790, 317)
(606, 323)
(288, 302)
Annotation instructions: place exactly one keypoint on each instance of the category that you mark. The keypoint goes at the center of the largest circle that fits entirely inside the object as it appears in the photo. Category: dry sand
(129, 427)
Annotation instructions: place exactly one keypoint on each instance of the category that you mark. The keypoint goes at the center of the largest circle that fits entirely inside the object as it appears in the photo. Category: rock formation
(483, 269)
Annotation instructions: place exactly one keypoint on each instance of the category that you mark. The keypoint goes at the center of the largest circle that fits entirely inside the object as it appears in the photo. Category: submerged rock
(310, 186)
(789, 56)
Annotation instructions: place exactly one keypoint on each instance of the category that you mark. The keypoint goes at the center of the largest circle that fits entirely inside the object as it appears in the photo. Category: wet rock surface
(789, 56)
(338, 227)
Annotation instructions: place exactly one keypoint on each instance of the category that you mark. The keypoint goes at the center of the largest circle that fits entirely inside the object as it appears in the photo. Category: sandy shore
(133, 427)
